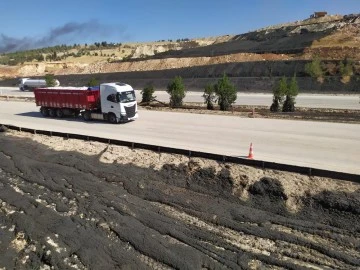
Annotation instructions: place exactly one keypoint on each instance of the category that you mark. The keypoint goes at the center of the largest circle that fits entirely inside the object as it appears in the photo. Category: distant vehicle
(31, 84)
(113, 102)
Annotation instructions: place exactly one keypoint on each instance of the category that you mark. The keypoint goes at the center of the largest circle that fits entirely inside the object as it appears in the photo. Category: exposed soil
(67, 203)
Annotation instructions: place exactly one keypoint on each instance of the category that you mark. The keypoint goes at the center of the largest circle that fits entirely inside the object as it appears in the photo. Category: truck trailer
(113, 102)
(31, 84)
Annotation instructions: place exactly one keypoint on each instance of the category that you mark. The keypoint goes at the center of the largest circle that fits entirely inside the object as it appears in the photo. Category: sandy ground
(71, 204)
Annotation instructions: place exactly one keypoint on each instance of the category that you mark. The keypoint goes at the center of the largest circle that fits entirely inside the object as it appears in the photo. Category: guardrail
(222, 158)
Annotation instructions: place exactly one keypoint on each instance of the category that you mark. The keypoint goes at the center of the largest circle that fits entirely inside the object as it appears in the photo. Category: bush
(225, 92)
(93, 82)
(281, 89)
(209, 96)
(50, 80)
(314, 69)
(275, 106)
(291, 92)
(346, 70)
(147, 94)
(177, 91)
(289, 104)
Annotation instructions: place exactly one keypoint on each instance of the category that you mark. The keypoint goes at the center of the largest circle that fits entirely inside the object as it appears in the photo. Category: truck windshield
(127, 96)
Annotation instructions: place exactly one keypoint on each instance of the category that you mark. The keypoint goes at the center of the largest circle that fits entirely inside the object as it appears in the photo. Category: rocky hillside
(303, 39)
(283, 48)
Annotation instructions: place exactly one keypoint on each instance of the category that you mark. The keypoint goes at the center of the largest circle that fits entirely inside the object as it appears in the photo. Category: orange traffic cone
(251, 154)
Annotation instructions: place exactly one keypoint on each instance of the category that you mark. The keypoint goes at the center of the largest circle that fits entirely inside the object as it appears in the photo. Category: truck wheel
(112, 118)
(60, 113)
(87, 116)
(22, 89)
(44, 112)
(76, 113)
(52, 112)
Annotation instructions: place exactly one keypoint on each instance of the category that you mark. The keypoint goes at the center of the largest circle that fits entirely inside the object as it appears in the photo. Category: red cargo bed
(67, 97)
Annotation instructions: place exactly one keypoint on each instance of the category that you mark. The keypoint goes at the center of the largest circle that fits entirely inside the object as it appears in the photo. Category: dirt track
(70, 204)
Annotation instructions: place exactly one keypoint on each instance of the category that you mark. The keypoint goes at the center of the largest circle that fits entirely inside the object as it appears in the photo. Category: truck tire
(44, 111)
(22, 89)
(52, 112)
(76, 113)
(112, 118)
(87, 116)
(60, 113)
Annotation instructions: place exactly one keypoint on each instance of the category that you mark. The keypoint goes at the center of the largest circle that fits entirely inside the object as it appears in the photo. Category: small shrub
(225, 92)
(50, 80)
(291, 92)
(147, 94)
(275, 106)
(346, 70)
(315, 70)
(177, 92)
(93, 82)
(289, 104)
(279, 90)
(209, 96)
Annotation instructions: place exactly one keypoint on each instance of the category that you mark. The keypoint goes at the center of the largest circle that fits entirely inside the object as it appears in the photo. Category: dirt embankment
(85, 205)
(40, 69)
(246, 76)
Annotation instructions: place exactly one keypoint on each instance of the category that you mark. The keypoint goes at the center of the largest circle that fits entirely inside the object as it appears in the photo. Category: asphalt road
(303, 100)
(332, 146)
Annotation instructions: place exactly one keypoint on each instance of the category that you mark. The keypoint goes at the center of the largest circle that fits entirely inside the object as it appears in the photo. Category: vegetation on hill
(55, 53)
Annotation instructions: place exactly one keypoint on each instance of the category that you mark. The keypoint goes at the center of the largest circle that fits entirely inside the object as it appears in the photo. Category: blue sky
(47, 22)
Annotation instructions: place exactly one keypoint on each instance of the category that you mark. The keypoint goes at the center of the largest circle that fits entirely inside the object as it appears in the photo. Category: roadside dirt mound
(86, 205)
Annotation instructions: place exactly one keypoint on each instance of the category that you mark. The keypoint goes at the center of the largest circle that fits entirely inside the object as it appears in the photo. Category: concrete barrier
(187, 152)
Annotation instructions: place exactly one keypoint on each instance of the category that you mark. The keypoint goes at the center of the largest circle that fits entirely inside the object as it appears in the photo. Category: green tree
(291, 93)
(209, 96)
(147, 93)
(93, 82)
(279, 90)
(50, 80)
(314, 69)
(226, 93)
(177, 92)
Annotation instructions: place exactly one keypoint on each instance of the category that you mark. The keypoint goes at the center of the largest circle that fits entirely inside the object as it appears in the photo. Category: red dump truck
(113, 102)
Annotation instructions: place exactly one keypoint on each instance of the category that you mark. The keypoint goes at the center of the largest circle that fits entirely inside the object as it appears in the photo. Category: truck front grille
(130, 111)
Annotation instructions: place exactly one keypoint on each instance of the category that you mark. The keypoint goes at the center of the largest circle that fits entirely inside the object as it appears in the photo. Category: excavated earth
(72, 204)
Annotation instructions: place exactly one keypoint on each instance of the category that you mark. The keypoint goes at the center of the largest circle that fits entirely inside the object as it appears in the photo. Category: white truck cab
(118, 100)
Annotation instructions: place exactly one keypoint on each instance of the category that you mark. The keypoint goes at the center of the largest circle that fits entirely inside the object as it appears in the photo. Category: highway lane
(251, 99)
(332, 146)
